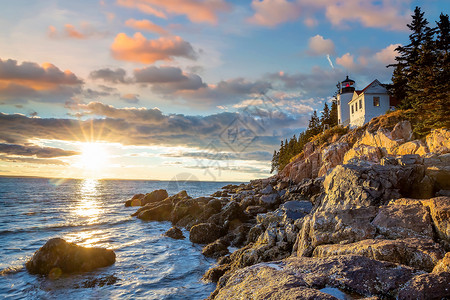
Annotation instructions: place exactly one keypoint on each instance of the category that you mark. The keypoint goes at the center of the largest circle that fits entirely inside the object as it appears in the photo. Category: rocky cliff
(365, 214)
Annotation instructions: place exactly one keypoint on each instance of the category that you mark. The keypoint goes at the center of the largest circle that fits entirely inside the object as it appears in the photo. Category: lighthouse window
(376, 101)
(360, 103)
(352, 109)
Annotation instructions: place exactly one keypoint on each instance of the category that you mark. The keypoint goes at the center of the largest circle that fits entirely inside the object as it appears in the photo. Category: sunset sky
(167, 89)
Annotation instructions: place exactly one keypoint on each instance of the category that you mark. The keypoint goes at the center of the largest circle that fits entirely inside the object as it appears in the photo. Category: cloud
(32, 160)
(198, 11)
(139, 49)
(320, 46)
(371, 62)
(30, 81)
(146, 25)
(130, 98)
(387, 14)
(255, 156)
(149, 127)
(318, 83)
(108, 75)
(71, 32)
(33, 150)
(271, 13)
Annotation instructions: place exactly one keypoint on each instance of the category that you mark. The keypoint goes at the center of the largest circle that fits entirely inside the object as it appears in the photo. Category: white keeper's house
(356, 108)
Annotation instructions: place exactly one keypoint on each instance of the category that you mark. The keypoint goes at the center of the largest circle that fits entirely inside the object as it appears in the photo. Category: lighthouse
(345, 94)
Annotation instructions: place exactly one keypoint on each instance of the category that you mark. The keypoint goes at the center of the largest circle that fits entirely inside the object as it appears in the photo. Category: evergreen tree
(325, 118)
(334, 113)
(275, 158)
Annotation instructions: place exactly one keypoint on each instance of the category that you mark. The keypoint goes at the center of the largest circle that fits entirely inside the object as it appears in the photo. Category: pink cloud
(139, 49)
(271, 13)
(198, 11)
(320, 46)
(71, 32)
(145, 25)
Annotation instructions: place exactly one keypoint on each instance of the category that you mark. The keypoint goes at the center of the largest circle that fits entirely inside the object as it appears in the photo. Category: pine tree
(334, 113)
(325, 119)
(275, 164)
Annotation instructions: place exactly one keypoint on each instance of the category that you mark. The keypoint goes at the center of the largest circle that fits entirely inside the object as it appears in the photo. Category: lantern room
(347, 86)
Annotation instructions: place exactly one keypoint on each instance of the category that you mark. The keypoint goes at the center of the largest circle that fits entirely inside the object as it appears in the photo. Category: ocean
(92, 213)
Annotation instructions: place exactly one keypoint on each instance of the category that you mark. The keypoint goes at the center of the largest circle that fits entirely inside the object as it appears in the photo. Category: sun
(94, 156)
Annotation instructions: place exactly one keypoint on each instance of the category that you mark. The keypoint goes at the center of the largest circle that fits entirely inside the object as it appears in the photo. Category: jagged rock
(427, 287)
(402, 131)
(175, 233)
(440, 213)
(255, 209)
(443, 265)
(228, 213)
(363, 152)
(204, 233)
(59, 257)
(417, 253)
(254, 233)
(267, 190)
(216, 249)
(155, 196)
(399, 221)
(285, 279)
(268, 200)
(161, 212)
(438, 141)
(332, 156)
(334, 227)
(412, 147)
(380, 139)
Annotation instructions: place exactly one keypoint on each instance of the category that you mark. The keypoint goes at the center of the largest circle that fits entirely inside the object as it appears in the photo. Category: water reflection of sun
(88, 206)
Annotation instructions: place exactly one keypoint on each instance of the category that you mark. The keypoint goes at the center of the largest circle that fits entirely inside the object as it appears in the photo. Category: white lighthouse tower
(345, 94)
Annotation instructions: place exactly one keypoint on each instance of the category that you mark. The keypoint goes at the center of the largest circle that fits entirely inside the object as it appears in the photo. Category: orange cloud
(139, 49)
(71, 32)
(198, 11)
(145, 25)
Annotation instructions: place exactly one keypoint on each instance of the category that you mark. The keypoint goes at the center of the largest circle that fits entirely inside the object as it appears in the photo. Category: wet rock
(175, 233)
(335, 227)
(284, 278)
(59, 257)
(417, 253)
(229, 212)
(216, 249)
(204, 233)
(427, 287)
(102, 281)
(398, 220)
(155, 196)
(160, 212)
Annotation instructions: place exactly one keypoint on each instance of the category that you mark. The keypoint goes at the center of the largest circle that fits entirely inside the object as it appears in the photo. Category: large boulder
(136, 200)
(427, 287)
(155, 196)
(174, 233)
(417, 253)
(332, 156)
(204, 233)
(402, 131)
(438, 169)
(412, 147)
(59, 257)
(363, 152)
(184, 208)
(404, 220)
(335, 227)
(302, 278)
